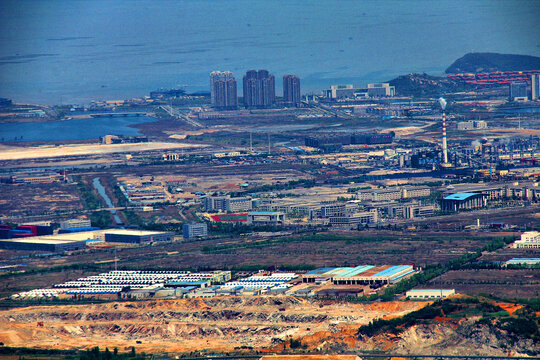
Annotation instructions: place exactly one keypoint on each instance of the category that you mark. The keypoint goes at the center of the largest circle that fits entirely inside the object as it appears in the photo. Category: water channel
(101, 190)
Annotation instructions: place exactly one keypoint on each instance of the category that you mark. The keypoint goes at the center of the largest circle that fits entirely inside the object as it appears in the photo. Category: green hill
(424, 85)
(489, 62)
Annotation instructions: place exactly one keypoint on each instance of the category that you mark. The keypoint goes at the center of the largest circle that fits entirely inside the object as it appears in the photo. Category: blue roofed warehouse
(462, 201)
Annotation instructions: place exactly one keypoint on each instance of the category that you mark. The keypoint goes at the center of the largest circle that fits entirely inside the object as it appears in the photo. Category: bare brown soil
(38, 198)
(217, 324)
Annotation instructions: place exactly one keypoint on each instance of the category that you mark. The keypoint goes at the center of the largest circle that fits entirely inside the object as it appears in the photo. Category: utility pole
(268, 143)
(251, 141)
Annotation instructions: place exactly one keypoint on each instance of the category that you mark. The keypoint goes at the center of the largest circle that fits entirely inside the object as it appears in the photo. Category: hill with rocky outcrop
(491, 62)
(424, 85)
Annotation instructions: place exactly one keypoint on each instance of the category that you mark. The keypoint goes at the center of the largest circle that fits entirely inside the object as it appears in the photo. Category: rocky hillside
(424, 85)
(490, 62)
(457, 326)
(220, 324)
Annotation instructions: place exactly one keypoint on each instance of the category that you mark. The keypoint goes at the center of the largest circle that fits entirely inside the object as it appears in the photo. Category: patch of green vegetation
(101, 219)
(521, 326)
(453, 309)
(132, 218)
(89, 354)
(88, 198)
(121, 199)
(397, 325)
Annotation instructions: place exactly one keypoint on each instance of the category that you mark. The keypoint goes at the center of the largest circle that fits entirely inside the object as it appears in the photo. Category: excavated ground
(217, 324)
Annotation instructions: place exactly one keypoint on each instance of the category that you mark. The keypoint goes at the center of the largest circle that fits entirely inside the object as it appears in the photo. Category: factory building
(78, 229)
(194, 230)
(136, 236)
(472, 125)
(463, 201)
(429, 294)
(273, 218)
(133, 284)
(360, 275)
(522, 261)
(51, 243)
(528, 240)
(336, 142)
(36, 229)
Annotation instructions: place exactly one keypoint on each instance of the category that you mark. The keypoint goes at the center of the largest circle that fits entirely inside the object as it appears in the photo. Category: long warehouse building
(360, 275)
(136, 236)
(52, 243)
(77, 240)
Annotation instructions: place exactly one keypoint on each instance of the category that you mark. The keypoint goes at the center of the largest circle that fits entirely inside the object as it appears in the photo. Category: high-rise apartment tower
(223, 90)
(535, 86)
(259, 89)
(291, 90)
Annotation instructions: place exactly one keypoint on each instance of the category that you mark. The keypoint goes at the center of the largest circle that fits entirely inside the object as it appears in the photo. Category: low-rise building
(523, 261)
(52, 243)
(136, 236)
(75, 223)
(330, 210)
(194, 230)
(352, 221)
(429, 294)
(226, 203)
(360, 275)
(394, 193)
(381, 90)
(274, 218)
(528, 240)
(472, 125)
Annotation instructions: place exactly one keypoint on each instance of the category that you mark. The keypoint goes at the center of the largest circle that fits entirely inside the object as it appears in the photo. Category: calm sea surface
(78, 129)
(73, 51)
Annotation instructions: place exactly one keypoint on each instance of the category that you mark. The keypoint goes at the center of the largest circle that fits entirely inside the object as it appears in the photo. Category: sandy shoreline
(47, 151)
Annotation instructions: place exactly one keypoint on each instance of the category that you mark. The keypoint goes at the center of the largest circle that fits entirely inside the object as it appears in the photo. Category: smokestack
(442, 102)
